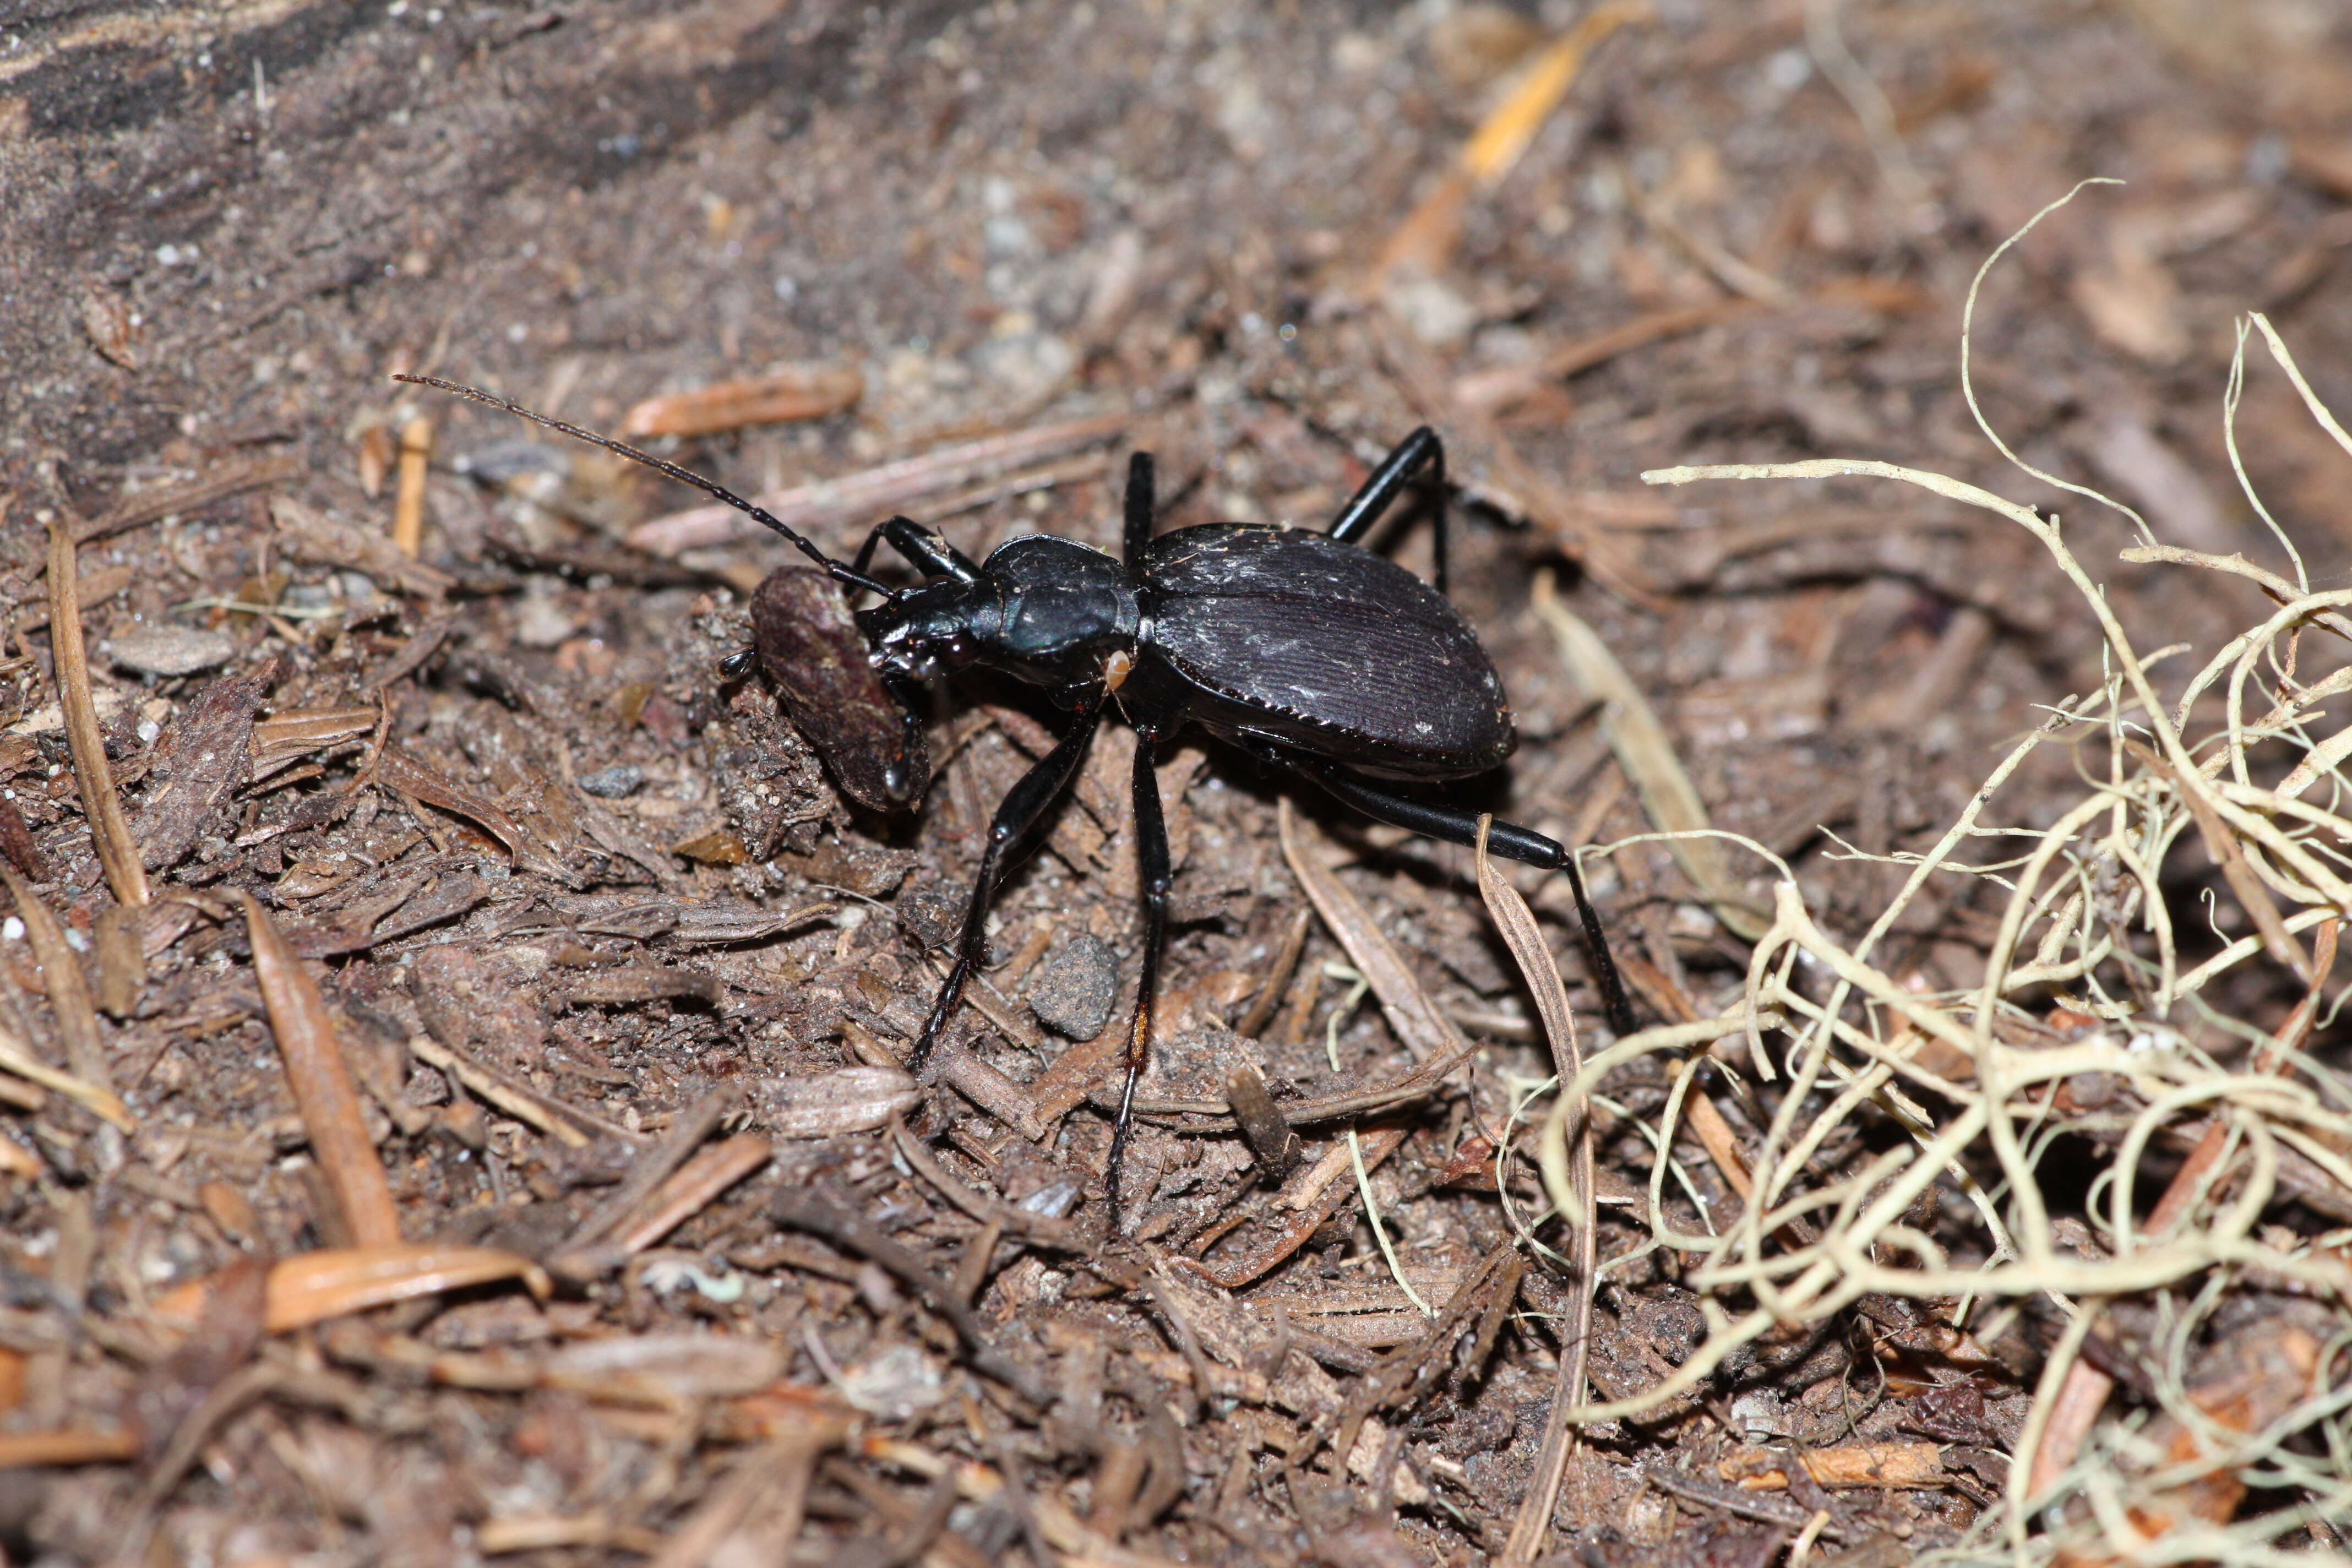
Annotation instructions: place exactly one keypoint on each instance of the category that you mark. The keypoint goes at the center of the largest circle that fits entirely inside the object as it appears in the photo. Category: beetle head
(930, 630)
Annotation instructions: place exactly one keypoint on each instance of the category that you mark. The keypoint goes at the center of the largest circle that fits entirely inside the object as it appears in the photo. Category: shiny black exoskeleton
(1304, 649)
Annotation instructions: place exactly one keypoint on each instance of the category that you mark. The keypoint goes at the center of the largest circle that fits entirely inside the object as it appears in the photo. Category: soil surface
(619, 974)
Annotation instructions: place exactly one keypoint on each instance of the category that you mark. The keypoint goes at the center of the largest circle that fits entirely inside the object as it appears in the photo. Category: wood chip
(122, 959)
(1853, 1465)
(848, 1099)
(1568, 1172)
(206, 752)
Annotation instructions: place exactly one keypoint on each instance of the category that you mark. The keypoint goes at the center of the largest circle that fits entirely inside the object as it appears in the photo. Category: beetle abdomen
(1304, 638)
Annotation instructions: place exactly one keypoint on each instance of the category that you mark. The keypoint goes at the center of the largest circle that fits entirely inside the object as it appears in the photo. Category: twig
(562, 1121)
(408, 498)
(217, 484)
(1045, 1228)
(652, 1167)
(1277, 975)
(805, 1209)
(689, 1191)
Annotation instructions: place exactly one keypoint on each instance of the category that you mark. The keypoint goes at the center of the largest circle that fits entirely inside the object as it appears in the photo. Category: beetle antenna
(710, 487)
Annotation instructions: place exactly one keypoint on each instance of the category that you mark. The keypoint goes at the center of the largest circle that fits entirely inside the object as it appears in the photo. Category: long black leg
(1398, 469)
(1023, 804)
(1153, 877)
(1452, 825)
(1141, 509)
(925, 551)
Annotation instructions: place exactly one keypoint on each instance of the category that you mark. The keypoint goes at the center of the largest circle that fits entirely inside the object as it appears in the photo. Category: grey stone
(165, 650)
(614, 783)
(1077, 987)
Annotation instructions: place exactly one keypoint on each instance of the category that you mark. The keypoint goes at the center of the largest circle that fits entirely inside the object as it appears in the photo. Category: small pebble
(621, 780)
(1077, 987)
(170, 651)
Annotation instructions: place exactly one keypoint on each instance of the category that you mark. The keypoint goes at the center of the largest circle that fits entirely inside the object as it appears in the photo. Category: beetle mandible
(1303, 648)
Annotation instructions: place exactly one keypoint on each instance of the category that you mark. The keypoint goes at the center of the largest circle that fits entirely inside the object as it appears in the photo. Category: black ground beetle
(1303, 648)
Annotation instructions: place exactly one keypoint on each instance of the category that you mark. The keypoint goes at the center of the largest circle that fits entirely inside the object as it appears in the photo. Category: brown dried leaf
(114, 324)
(396, 769)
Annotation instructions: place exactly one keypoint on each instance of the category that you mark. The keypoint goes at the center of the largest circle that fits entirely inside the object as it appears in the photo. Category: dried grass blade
(1643, 749)
(116, 849)
(69, 989)
(1427, 239)
(321, 1081)
(1418, 1021)
(1570, 1176)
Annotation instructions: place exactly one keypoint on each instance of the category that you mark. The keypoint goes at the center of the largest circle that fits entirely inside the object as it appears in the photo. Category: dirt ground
(486, 1137)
